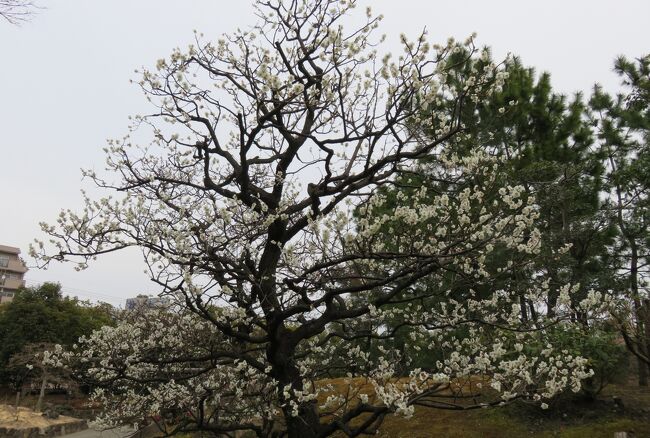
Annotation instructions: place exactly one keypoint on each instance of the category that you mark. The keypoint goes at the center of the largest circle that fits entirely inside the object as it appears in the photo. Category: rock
(618, 402)
(51, 414)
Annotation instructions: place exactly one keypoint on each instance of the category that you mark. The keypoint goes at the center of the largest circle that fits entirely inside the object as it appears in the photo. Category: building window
(4, 261)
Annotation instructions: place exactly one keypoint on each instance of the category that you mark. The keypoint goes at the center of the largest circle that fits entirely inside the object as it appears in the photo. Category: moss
(584, 420)
(452, 424)
(605, 429)
(496, 424)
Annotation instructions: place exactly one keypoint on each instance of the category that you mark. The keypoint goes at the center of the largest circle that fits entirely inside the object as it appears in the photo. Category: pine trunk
(646, 322)
(639, 314)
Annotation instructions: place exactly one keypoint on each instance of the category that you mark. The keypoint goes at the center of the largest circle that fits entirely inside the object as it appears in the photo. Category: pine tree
(547, 144)
(623, 123)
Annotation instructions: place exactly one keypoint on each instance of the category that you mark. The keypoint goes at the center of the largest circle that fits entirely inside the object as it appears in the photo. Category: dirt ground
(569, 418)
(26, 418)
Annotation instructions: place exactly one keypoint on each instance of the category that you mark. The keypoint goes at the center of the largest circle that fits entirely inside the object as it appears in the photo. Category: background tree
(28, 368)
(261, 149)
(42, 315)
(546, 145)
(623, 123)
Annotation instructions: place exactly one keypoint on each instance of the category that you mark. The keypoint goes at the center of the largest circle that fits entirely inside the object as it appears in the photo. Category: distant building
(12, 272)
(147, 302)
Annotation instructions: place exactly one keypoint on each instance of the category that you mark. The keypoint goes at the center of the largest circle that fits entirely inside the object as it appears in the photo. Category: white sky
(64, 87)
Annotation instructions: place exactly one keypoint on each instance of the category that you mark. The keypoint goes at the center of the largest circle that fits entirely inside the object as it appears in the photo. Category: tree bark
(281, 353)
(17, 402)
(307, 423)
(41, 395)
(639, 314)
(646, 322)
(640, 338)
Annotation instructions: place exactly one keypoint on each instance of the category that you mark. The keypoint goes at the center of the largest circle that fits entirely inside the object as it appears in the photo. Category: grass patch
(569, 417)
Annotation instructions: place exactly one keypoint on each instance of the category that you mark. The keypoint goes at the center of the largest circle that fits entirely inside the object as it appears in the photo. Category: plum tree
(252, 202)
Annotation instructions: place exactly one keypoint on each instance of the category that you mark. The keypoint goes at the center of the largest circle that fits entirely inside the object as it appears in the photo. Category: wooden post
(41, 395)
(17, 401)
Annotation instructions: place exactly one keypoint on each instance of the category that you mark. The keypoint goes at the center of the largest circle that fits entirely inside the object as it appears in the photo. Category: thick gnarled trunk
(282, 355)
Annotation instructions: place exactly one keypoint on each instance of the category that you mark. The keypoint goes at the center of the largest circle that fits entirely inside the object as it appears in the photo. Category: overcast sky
(64, 81)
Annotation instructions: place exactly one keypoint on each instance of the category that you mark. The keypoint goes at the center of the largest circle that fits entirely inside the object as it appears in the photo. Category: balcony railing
(11, 283)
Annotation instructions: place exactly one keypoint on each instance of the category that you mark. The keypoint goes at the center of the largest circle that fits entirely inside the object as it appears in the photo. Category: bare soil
(26, 418)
